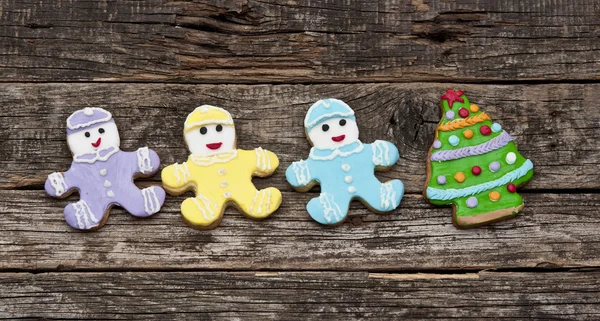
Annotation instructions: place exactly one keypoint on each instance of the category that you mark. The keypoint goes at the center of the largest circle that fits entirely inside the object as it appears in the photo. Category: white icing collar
(209, 160)
(343, 151)
(101, 155)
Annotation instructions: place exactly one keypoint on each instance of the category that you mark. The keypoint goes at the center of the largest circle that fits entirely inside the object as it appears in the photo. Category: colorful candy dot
(460, 177)
(485, 130)
(511, 158)
(494, 196)
(496, 127)
(468, 134)
(474, 108)
(494, 166)
(463, 112)
(441, 179)
(454, 140)
(511, 188)
(472, 202)
(450, 115)
(476, 170)
(437, 144)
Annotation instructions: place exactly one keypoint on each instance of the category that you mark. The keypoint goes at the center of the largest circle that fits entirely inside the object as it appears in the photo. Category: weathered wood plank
(301, 296)
(299, 41)
(555, 125)
(554, 230)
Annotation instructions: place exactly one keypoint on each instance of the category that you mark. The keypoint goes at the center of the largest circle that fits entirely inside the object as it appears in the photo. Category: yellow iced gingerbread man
(220, 174)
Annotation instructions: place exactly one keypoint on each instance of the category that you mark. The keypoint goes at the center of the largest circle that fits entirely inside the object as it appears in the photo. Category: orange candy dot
(468, 134)
(460, 177)
(474, 108)
(494, 196)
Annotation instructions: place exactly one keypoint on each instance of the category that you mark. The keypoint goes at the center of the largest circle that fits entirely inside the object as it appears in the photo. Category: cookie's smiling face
(334, 133)
(94, 138)
(211, 139)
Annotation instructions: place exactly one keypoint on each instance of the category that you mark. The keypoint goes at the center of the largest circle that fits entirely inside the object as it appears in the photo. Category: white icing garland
(326, 201)
(78, 159)
(336, 152)
(381, 153)
(144, 162)
(149, 195)
(302, 172)
(218, 158)
(57, 180)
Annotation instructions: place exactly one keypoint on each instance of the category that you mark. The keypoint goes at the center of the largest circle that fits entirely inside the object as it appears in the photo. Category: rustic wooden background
(534, 66)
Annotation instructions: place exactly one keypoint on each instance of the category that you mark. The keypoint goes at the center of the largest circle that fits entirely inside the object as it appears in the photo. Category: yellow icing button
(468, 134)
(460, 177)
(474, 108)
(494, 196)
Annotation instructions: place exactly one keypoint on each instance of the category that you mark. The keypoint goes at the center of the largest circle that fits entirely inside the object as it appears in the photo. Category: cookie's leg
(142, 203)
(329, 209)
(384, 197)
(83, 215)
(260, 204)
(202, 211)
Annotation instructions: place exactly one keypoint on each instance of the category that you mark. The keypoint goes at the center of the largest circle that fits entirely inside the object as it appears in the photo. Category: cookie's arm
(266, 161)
(147, 161)
(57, 184)
(299, 174)
(176, 176)
(385, 154)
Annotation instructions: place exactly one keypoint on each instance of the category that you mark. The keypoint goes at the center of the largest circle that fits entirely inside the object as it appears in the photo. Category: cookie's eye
(87, 134)
(101, 130)
(342, 122)
(219, 128)
(325, 127)
(203, 130)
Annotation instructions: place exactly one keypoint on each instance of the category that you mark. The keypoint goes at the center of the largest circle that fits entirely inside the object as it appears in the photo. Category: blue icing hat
(325, 109)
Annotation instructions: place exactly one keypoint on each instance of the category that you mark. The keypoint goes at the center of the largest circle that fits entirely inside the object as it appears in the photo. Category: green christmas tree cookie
(474, 165)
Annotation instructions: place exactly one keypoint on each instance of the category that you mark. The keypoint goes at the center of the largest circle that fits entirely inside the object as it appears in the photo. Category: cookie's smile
(338, 139)
(214, 146)
(97, 143)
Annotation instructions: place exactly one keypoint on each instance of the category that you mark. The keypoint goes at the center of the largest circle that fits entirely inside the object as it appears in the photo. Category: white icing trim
(107, 118)
(228, 121)
(204, 204)
(387, 196)
(302, 172)
(149, 195)
(57, 180)
(181, 169)
(84, 214)
(336, 152)
(326, 201)
(263, 161)
(144, 162)
(97, 157)
(381, 153)
(218, 158)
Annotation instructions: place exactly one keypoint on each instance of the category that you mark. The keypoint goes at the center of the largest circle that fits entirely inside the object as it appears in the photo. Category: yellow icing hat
(207, 114)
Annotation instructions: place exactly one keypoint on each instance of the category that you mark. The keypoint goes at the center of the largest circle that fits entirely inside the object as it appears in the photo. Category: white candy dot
(511, 158)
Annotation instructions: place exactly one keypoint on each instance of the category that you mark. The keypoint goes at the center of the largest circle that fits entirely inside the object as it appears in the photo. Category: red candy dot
(463, 112)
(485, 130)
(511, 188)
(476, 170)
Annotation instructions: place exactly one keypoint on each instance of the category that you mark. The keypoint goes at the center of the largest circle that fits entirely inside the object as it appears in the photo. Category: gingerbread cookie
(343, 165)
(102, 173)
(474, 165)
(219, 174)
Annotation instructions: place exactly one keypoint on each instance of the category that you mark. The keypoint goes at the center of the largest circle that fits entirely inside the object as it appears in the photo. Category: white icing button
(103, 172)
(107, 184)
(224, 184)
(88, 111)
(511, 158)
(110, 194)
(227, 194)
(348, 179)
(346, 167)
(351, 189)
(222, 171)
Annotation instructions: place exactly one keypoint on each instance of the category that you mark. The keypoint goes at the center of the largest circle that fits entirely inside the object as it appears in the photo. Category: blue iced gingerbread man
(343, 165)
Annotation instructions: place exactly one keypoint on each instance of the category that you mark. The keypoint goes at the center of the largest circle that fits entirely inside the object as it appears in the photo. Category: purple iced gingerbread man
(103, 173)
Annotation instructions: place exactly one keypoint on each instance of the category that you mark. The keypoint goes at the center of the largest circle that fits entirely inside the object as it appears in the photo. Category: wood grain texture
(554, 125)
(301, 296)
(269, 41)
(555, 230)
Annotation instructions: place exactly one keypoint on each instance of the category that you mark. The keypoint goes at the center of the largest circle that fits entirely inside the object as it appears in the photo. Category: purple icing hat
(87, 117)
